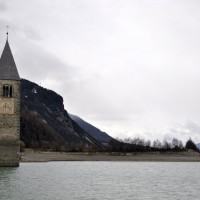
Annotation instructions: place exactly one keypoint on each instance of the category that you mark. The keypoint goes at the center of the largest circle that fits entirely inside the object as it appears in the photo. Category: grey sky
(130, 67)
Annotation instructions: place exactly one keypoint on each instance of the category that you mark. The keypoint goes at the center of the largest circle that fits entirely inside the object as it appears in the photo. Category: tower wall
(10, 124)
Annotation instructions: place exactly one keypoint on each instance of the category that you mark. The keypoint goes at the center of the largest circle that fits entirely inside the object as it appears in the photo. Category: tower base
(9, 155)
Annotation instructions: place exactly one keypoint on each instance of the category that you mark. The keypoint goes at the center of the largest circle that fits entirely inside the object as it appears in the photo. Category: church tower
(9, 109)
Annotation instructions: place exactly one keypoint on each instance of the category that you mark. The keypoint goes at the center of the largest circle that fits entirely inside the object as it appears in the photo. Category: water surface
(101, 180)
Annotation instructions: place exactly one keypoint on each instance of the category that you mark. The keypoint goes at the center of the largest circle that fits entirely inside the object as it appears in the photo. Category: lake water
(101, 180)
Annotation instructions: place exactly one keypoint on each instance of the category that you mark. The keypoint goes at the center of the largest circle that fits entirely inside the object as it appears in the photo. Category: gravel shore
(47, 156)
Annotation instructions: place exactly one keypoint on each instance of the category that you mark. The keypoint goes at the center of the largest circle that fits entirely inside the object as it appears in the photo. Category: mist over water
(100, 180)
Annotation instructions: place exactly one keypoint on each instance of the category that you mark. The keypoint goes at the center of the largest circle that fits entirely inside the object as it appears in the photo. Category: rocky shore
(47, 156)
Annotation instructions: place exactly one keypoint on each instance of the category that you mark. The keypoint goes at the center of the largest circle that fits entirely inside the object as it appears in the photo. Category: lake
(101, 180)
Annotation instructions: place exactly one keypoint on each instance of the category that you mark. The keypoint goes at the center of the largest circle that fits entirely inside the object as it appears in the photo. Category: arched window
(7, 91)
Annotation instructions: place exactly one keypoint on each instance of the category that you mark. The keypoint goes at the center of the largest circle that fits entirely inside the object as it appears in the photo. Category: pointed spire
(8, 69)
(7, 32)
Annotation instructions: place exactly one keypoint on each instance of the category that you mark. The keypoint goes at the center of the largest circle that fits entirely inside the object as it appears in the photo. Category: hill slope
(46, 124)
(102, 137)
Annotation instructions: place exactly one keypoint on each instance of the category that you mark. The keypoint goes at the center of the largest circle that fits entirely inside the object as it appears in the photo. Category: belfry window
(7, 91)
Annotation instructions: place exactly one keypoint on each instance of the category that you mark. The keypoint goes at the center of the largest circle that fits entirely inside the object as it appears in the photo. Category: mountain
(46, 124)
(198, 146)
(100, 136)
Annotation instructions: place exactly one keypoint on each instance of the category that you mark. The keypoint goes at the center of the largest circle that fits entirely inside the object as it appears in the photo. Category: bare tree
(157, 144)
(175, 143)
(166, 145)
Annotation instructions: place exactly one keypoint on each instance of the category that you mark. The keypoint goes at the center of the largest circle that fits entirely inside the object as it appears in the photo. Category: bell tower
(9, 109)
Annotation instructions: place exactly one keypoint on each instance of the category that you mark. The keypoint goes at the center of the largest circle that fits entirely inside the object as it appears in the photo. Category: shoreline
(50, 156)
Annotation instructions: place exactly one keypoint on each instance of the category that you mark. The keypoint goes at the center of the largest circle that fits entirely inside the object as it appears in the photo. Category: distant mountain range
(102, 137)
(46, 124)
(198, 146)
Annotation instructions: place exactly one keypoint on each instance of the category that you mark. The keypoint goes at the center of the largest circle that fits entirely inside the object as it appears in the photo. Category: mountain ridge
(99, 135)
(46, 124)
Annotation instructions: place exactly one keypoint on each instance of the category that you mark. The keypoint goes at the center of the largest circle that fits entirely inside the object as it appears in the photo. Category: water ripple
(101, 180)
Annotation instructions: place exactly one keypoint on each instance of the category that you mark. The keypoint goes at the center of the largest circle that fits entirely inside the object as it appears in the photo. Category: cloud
(126, 66)
(184, 130)
(38, 65)
(32, 34)
(3, 5)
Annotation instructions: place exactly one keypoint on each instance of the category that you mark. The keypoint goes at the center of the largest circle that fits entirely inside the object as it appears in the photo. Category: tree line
(140, 144)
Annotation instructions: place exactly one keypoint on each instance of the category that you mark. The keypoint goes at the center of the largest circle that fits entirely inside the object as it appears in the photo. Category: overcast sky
(129, 67)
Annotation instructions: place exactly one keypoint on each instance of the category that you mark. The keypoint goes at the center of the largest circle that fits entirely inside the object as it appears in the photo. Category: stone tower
(9, 109)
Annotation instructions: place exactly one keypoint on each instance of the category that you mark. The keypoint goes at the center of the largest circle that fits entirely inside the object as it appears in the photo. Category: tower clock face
(6, 106)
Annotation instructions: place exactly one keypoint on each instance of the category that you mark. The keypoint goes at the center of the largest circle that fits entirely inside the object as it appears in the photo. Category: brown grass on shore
(46, 156)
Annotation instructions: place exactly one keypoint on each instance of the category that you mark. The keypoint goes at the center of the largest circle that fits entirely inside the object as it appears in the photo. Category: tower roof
(8, 69)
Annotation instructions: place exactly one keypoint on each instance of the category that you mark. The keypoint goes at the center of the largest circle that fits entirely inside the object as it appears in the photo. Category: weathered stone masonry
(9, 109)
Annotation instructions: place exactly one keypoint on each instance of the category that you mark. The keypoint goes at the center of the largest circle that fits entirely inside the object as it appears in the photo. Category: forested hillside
(46, 124)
